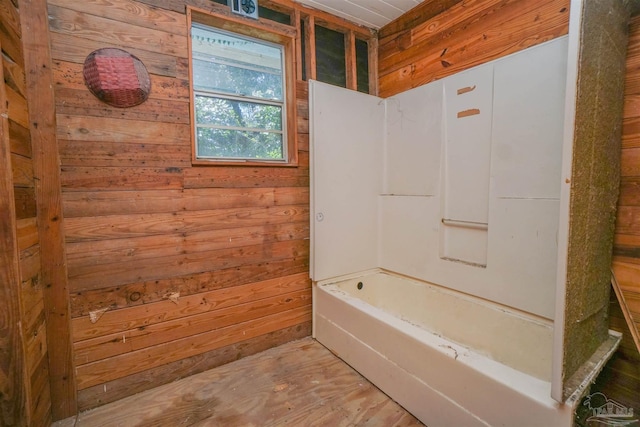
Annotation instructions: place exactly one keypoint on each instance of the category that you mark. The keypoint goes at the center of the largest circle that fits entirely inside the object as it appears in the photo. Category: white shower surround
(388, 182)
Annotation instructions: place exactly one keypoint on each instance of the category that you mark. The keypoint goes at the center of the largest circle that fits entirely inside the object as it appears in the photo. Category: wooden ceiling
(370, 13)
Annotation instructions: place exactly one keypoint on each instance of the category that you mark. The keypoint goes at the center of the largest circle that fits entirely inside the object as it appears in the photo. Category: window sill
(248, 163)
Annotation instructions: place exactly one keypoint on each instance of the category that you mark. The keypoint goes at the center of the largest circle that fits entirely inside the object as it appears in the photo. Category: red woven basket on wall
(116, 77)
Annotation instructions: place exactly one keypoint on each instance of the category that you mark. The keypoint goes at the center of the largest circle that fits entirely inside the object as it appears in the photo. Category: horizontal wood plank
(41, 397)
(153, 224)
(629, 191)
(123, 154)
(20, 139)
(120, 273)
(10, 42)
(629, 160)
(159, 333)
(111, 391)
(104, 30)
(130, 363)
(628, 220)
(25, 202)
(81, 102)
(84, 178)
(241, 177)
(10, 17)
(30, 262)
(103, 129)
(69, 54)
(90, 204)
(36, 338)
(22, 169)
(142, 316)
(17, 104)
(631, 132)
(146, 292)
(88, 254)
(469, 34)
(101, 203)
(27, 231)
(14, 75)
(133, 12)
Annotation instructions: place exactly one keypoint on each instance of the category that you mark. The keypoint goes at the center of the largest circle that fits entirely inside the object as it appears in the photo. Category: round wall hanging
(116, 77)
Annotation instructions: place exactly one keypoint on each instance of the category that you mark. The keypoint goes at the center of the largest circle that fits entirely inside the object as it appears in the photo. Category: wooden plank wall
(442, 37)
(621, 378)
(172, 269)
(22, 301)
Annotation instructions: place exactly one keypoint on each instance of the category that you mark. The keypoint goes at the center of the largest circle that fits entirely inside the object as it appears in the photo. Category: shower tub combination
(440, 240)
(447, 357)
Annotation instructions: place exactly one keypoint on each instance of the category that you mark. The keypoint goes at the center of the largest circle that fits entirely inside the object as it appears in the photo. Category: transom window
(239, 96)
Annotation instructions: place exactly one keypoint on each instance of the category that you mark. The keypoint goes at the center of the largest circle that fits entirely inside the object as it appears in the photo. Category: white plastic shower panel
(413, 142)
(481, 149)
(468, 102)
(347, 132)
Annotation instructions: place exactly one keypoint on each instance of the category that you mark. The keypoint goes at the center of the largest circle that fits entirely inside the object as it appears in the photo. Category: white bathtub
(448, 358)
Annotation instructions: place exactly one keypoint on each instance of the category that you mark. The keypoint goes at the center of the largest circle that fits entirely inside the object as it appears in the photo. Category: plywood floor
(297, 384)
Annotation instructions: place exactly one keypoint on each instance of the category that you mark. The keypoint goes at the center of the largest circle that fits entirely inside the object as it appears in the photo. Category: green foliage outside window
(239, 96)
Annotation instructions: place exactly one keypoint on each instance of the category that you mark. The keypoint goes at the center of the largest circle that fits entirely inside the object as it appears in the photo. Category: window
(239, 93)
(330, 57)
(362, 65)
(337, 54)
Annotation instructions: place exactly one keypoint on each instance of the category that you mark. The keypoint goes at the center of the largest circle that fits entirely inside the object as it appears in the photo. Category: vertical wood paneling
(440, 38)
(24, 388)
(350, 60)
(42, 126)
(310, 42)
(14, 386)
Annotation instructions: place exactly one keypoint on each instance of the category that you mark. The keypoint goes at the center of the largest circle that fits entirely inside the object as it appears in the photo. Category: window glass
(239, 96)
(330, 57)
(274, 15)
(362, 65)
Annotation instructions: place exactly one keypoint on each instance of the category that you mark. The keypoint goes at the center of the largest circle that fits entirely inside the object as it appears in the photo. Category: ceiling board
(370, 13)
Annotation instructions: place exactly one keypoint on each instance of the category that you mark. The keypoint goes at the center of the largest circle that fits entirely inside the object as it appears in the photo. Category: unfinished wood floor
(297, 384)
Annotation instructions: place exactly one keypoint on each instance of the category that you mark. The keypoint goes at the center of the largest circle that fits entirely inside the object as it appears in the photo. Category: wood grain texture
(71, 53)
(146, 292)
(141, 222)
(144, 316)
(100, 203)
(105, 275)
(141, 248)
(86, 25)
(620, 379)
(131, 12)
(121, 342)
(136, 361)
(42, 126)
(446, 37)
(299, 383)
(629, 303)
(14, 382)
(148, 379)
(22, 296)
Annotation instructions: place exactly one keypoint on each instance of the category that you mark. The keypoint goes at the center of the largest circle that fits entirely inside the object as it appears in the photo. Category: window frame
(274, 34)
